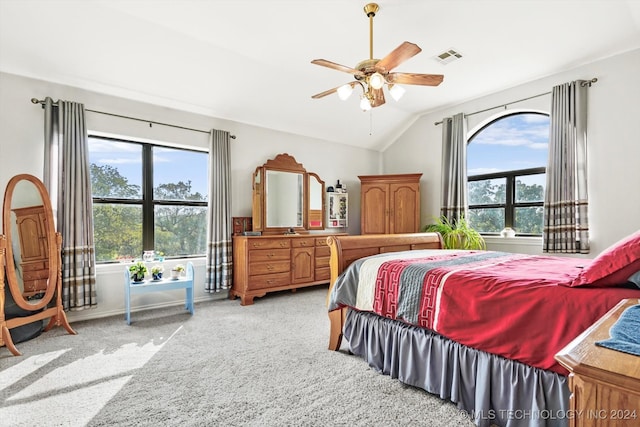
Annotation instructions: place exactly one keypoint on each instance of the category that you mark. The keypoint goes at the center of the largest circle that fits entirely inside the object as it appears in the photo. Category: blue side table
(167, 284)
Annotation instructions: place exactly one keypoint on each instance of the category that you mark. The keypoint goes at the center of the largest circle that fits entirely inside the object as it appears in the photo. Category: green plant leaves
(457, 236)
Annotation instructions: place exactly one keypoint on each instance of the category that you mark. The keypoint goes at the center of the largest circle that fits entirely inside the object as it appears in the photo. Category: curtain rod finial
(35, 101)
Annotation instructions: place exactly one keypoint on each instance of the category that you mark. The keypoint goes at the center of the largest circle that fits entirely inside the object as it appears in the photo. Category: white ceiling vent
(447, 56)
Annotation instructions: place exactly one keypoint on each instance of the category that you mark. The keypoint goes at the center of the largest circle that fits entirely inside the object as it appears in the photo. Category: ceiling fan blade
(377, 97)
(333, 65)
(330, 91)
(325, 93)
(400, 54)
(415, 79)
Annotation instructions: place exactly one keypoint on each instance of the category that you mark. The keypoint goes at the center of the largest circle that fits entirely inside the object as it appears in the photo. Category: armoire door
(374, 209)
(404, 208)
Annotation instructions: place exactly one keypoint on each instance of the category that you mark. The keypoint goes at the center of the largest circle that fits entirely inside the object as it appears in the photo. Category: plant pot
(157, 276)
(175, 274)
(137, 277)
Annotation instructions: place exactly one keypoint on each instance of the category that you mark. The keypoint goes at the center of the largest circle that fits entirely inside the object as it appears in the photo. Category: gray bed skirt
(492, 389)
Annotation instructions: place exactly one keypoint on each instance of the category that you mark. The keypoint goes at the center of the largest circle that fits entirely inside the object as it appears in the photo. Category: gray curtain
(454, 167)
(566, 223)
(219, 271)
(68, 180)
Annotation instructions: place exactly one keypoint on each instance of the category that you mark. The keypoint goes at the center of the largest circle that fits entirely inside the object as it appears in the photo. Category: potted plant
(137, 271)
(458, 235)
(156, 271)
(177, 271)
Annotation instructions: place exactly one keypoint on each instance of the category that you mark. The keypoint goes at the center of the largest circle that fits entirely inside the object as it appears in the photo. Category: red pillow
(614, 265)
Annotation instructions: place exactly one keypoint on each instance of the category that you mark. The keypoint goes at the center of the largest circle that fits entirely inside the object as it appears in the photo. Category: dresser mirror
(286, 197)
(31, 256)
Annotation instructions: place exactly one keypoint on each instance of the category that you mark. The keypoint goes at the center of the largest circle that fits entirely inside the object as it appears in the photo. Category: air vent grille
(448, 56)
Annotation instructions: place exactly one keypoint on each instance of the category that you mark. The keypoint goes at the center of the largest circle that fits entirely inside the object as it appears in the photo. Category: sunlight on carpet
(89, 383)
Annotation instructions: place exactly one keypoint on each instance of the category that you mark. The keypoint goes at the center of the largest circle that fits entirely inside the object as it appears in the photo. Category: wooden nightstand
(604, 383)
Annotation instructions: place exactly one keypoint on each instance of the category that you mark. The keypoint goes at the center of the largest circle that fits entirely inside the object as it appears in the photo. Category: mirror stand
(5, 337)
(56, 313)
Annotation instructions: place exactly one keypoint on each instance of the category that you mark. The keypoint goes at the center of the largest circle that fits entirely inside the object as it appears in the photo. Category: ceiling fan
(372, 74)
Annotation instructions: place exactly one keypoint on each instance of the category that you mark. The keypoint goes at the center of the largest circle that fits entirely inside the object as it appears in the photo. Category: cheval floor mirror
(30, 259)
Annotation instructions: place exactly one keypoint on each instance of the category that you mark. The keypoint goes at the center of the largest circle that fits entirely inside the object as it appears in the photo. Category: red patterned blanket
(512, 305)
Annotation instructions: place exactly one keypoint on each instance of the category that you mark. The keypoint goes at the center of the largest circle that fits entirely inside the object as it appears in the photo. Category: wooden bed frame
(346, 249)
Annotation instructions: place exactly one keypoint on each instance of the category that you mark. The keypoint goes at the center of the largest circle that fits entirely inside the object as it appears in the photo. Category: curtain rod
(37, 101)
(584, 83)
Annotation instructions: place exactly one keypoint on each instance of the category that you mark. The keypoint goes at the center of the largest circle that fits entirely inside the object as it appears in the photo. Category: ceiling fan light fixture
(344, 91)
(373, 74)
(376, 80)
(396, 92)
(365, 104)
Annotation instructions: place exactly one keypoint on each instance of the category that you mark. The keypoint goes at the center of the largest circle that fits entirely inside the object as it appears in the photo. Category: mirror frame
(54, 256)
(311, 212)
(285, 163)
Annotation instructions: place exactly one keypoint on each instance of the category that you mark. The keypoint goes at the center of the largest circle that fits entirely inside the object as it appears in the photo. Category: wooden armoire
(390, 203)
(34, 250)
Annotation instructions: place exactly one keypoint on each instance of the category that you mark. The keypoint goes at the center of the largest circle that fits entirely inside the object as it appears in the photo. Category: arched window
(506, 163)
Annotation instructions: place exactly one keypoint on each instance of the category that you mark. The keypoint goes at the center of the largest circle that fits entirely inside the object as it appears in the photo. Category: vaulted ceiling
(250, 60)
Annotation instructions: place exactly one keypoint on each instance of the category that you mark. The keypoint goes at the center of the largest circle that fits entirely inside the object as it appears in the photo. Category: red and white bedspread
(511, 305)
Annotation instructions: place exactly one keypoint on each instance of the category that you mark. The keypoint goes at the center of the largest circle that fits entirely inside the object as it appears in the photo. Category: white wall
(613, 147)
(614, 154)
(21, 151)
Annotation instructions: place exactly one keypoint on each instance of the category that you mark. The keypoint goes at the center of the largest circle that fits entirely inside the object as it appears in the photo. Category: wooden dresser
(390, 204)
(604, 383)
(271, 263)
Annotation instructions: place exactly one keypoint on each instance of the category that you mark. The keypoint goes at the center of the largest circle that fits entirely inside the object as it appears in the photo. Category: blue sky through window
(518, 141)
(170, 165)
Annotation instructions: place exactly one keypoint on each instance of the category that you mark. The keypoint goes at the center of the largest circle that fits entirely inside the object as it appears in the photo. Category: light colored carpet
(260, 365)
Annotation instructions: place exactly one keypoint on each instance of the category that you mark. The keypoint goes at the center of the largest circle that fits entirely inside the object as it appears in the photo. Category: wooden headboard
(347, 249)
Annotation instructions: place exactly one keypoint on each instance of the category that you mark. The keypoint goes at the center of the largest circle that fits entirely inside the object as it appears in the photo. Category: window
(506, 174)
(147, 197)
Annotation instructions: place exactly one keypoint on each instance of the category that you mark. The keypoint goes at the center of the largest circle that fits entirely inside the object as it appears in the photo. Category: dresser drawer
(35, 274)
(35, 265)
(35, 286)
(323, 274)
(269, 243)
(302, 243)
(322, 262)
(323, 251)
(321, 241)
(269, 267)
(262, 255)
(269, 280)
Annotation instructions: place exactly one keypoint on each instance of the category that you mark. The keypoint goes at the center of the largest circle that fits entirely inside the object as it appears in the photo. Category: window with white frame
(147, 197)
(506, 166)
